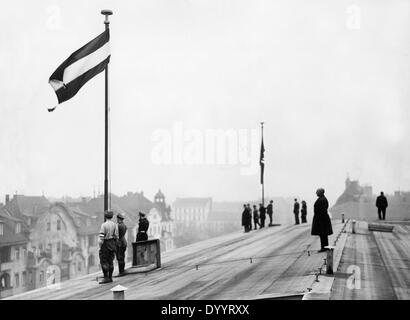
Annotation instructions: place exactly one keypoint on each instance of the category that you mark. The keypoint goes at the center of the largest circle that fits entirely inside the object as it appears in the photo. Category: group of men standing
(112, 242)
(303, 211)
(258, 216)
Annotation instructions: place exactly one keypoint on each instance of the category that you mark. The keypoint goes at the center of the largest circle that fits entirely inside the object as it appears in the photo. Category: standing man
(256, 217)
(296, 207)
(381, 204)
(143, 226)
(303, 211)
(122, 244)
(108, 245)
(321, 224)
(270, 212)
(262, 214)
(249, 215)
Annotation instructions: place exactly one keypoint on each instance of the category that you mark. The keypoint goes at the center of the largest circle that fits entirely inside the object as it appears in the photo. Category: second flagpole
(106, 13)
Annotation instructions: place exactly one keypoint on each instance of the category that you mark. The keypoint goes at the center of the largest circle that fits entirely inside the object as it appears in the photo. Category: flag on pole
(262, 160)
(81, 66)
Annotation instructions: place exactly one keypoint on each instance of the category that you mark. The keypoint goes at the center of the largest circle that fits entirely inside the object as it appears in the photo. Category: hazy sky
(330, 80)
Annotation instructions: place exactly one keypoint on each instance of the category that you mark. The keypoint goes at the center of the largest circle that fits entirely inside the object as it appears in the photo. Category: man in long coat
(296, 207)
(381, 204)
(245, 218)
(321, 224)
(269, 210)
(303, 211)
(262, 214)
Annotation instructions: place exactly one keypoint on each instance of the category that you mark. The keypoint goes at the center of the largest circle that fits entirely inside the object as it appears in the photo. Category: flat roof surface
(268, 263)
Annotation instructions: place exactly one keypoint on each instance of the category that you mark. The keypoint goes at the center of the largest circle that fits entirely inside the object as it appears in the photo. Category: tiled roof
(21, 205)
(9, 236)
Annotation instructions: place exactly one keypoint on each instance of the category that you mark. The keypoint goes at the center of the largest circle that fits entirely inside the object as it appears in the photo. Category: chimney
(7, 198)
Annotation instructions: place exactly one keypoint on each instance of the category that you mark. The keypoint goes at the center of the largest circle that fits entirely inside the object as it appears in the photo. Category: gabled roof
(29, 206)
(10, 237)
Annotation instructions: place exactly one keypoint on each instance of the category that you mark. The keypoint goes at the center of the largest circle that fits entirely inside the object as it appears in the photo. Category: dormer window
(18, 227)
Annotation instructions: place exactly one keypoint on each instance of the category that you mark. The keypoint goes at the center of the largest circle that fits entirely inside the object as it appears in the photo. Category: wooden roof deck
(280, 266)
(383, 260)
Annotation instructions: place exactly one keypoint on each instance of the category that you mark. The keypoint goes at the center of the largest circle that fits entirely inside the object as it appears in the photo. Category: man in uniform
(303, 211)
(245, 218)
(143, 226)
(122, 244)
(296, 207)
(262, 215)
(270, 212)
(108, 245)
(381, 204)
(256, 217)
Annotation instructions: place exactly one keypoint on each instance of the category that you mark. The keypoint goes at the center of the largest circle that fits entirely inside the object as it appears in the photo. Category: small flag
(262, 160)
(81, 66)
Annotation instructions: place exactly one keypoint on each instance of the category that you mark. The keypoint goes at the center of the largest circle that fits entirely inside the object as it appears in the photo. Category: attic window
(18, 227)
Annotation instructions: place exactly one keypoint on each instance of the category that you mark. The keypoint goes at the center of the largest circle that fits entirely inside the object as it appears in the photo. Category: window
(17, 254)
(5, 281)
(5, 254)
(17, 280)
(18, 227)
(48, 226)
(30, 277)
(79, 267)
(24, 278)
(1, 229)
(58, 224)
(41, 276)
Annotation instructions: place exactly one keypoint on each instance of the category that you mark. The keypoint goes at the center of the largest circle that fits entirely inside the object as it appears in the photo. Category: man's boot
(110, 274)
(121, 267)
(105, 279)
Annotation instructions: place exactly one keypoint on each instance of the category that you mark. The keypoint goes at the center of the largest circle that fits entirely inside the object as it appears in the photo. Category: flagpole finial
(106, 13)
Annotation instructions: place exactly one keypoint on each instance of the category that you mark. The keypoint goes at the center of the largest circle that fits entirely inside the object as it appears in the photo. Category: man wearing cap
(121, 244)
(108, 245)
(143, 226)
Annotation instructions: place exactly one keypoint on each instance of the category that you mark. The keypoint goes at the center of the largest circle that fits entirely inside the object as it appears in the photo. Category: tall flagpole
(106, 13)
(263, 180)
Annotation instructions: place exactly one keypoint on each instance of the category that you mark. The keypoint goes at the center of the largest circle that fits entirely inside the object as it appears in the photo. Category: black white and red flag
(81, 66)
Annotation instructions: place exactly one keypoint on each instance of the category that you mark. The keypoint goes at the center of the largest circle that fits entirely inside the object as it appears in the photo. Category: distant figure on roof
(248, 206)
(246, 218)
(108, 246)
(256, 217)
(122, 244)
(381, 204)
(143, 226)
(321, 224)
(296, 207)
(269, 210)
(262, 214)
(303, 211)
